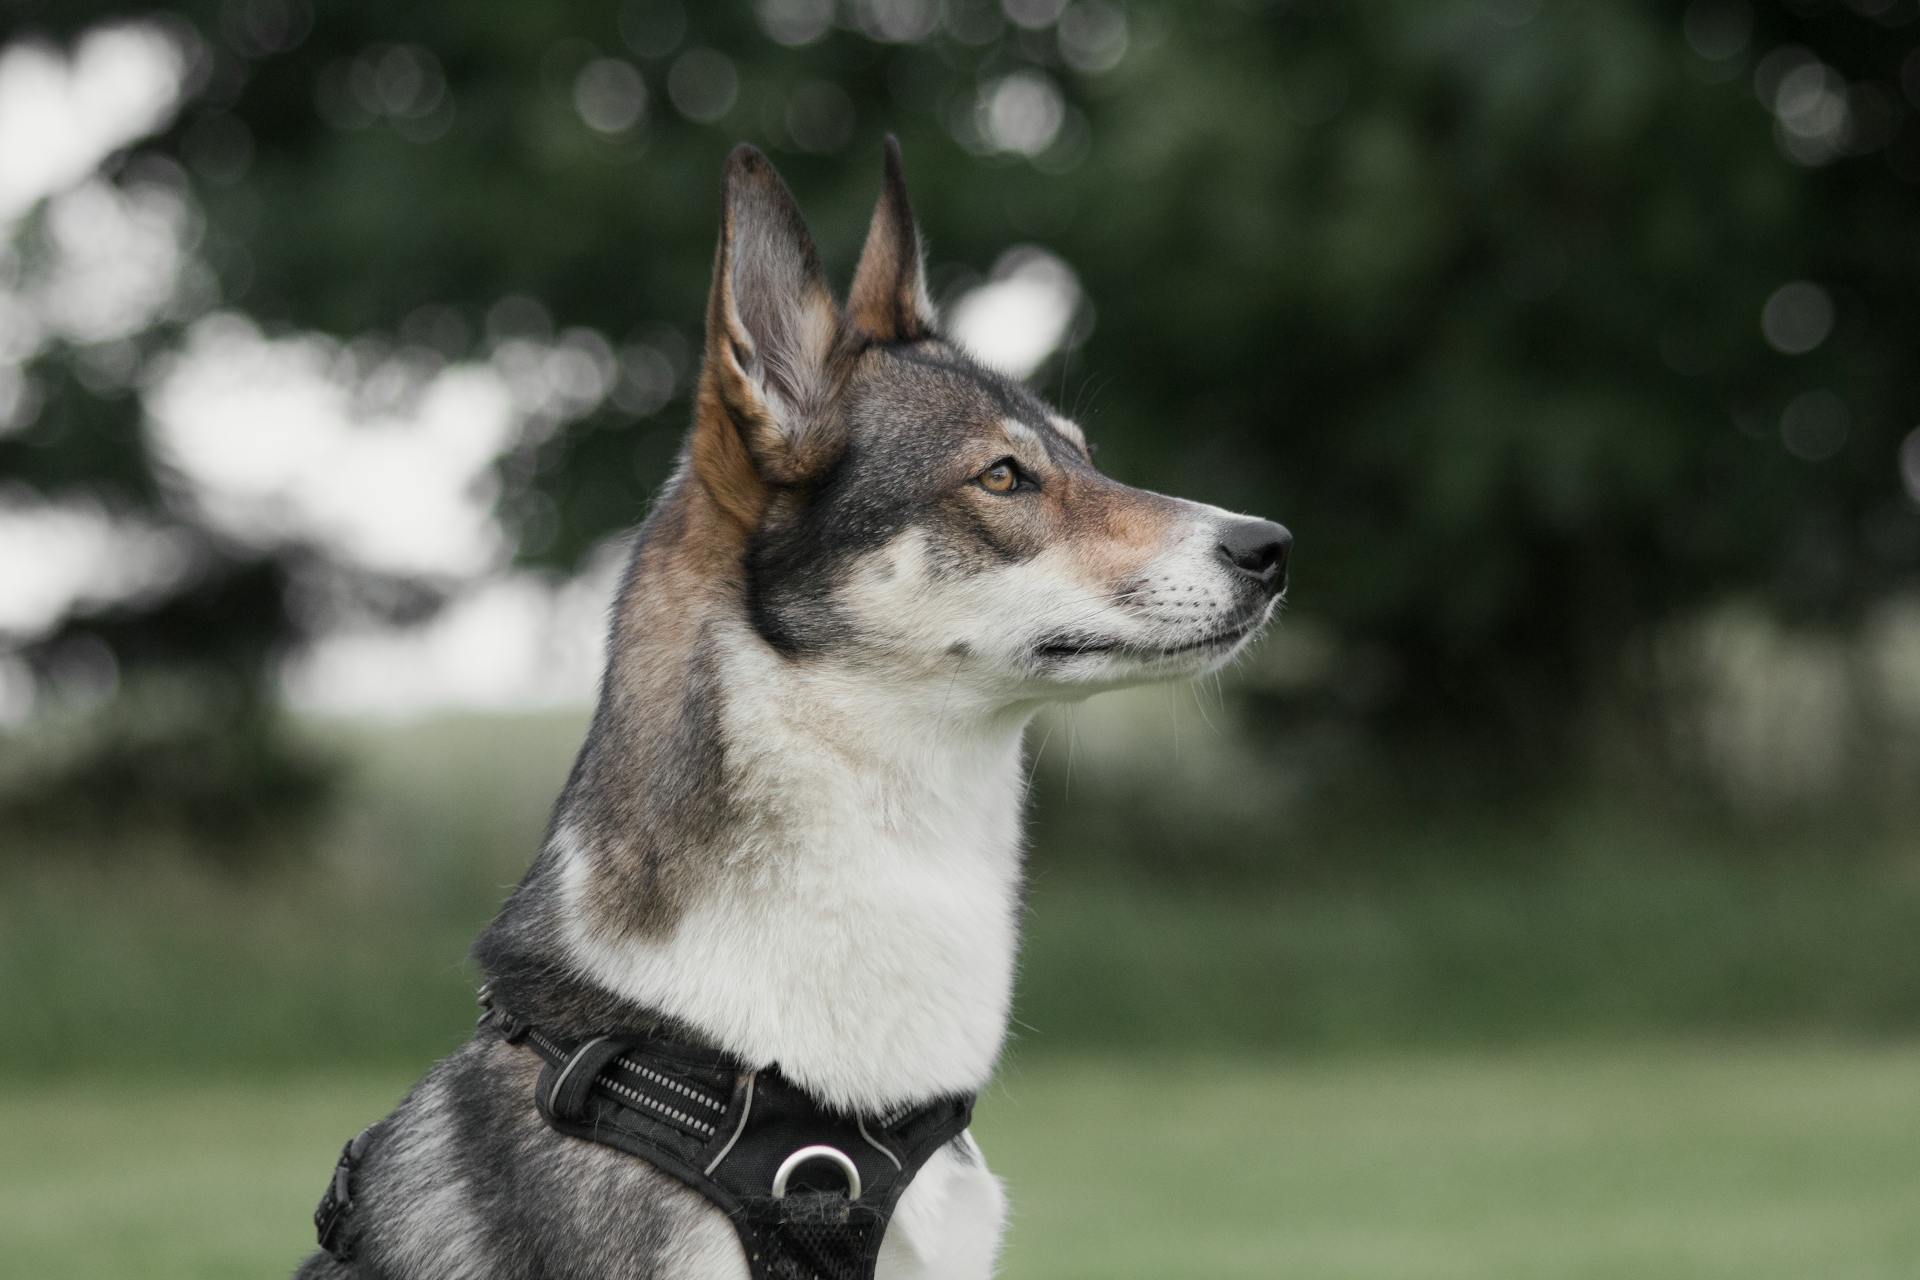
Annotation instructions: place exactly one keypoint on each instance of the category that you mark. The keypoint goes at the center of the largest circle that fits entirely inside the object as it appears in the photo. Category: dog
(793, 834)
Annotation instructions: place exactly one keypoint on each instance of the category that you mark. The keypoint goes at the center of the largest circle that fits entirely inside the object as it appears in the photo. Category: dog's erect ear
(772, 326)
(889, 300)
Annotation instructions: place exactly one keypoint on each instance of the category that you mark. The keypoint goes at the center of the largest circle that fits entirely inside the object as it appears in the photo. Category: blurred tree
(1494, 302)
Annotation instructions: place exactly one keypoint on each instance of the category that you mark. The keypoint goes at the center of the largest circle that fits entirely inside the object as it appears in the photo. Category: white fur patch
(1019, 432)
(1070, 429)
(949, 1223)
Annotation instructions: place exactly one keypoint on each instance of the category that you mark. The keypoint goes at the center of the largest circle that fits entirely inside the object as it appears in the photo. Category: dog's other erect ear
(889, 301)
(772, 326)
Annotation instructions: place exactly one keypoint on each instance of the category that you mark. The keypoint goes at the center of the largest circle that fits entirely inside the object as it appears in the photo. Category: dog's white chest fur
(862, 931)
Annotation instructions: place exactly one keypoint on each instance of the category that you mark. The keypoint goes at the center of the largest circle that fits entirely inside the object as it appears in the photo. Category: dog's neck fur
(801, 862)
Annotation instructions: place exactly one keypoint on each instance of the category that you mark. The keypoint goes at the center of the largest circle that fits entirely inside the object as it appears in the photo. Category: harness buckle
(513, 1030)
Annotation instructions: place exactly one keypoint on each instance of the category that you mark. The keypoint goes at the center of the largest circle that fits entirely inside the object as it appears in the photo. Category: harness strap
(606, 1063)
(337, 1203)
(809, 1190)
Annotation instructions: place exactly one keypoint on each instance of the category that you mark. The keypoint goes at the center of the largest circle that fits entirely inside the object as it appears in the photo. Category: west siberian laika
(793, 835)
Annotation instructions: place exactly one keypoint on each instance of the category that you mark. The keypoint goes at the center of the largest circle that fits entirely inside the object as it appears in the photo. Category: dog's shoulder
(464, 1179)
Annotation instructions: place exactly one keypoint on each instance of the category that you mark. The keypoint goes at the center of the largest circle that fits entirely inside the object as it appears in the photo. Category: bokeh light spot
(703, 85)
(59, 117)
(1093, 36)
(898, 21)
(610, 95)
(1797, 317)
(795, 22)
(1021, 315)
(1811, 112)
(646, 379)
(1033, 14)
(1021, 112)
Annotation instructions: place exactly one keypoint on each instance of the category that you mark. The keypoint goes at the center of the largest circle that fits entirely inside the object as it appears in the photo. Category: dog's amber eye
(1001, 477)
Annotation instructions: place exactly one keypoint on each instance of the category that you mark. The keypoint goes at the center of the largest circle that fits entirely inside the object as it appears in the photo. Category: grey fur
(465, 1180)
(908, 416)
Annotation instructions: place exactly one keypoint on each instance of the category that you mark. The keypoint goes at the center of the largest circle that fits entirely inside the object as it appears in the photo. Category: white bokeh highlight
(269, 436)
(61, 115)
(1021, 314)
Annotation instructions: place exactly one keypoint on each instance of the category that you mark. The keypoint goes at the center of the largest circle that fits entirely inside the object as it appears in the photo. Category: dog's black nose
(1258, 548)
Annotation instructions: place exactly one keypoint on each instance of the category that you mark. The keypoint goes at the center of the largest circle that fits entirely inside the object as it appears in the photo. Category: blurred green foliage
(1468, 293)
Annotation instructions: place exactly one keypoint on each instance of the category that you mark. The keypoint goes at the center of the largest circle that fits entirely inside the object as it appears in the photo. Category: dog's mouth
(1060, 648)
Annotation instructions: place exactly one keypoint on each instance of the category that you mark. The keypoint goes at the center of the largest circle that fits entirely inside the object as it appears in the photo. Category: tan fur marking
(1114, 530)
(687, 576)
(721, 460)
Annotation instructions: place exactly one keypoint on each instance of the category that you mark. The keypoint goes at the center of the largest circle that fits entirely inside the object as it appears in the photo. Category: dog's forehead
(934, 393)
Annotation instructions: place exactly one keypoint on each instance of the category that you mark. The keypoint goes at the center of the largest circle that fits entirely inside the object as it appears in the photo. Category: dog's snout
(1257, 548)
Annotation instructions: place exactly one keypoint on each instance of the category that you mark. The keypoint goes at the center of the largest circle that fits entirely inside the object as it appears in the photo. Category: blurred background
(1543, 898)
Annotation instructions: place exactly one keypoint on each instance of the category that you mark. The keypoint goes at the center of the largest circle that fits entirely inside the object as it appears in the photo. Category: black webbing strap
(337, 1203)
(809, 1190)
(682, 1093)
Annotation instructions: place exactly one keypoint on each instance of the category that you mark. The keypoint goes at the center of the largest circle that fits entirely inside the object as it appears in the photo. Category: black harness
(809, 1190)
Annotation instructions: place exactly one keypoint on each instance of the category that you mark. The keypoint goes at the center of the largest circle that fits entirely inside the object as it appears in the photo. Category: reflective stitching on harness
(560, 1080)
(862, 1122)
(746, 1109)
(634, 1095)
(668, 1082)
(604, 1080)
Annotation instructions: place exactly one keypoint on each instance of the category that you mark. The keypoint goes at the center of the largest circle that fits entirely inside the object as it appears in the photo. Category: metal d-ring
(833, 1155)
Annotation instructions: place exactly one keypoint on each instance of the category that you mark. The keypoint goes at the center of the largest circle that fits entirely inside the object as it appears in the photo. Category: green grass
(1670, 1161)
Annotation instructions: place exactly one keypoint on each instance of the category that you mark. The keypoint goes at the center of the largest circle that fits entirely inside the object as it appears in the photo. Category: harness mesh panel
(811, 1236)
